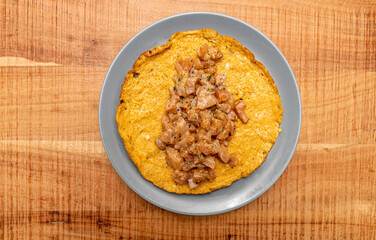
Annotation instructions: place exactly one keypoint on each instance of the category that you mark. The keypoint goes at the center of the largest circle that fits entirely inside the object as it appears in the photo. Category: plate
(241, 192)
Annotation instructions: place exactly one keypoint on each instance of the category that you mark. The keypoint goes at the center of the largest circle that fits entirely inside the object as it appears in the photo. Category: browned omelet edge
(159, 49)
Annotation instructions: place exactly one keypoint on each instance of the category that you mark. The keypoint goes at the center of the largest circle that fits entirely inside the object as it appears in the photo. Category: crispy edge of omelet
(207, 34)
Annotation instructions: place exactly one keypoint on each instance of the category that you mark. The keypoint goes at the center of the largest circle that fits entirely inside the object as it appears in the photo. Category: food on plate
(198, 112)
(199, 119)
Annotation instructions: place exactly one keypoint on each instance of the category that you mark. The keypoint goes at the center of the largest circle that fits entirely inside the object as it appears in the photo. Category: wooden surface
(56, 181)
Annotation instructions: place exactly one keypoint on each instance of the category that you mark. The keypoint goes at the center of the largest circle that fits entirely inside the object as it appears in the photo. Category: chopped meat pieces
(222, 95)
(226, 130)
(211, 174)
(208, 148)
(199, 119)
(181, 126)
(216, 146)
(194, 149)
(240, 111)
(205, 119)
(231, 101)
(232, 116)
(200, 174)
(233, 160)
(204, 98)
(206, 52)
(193, 116)
(186, 140)
(191, 184)
(197, 64)
(171, 103)
(216, 126)
(191, 85)
(168, 136)
(203, 136)
(209, 162)
(183, 65)
(188, 165)
(220, 80)
(181, 89)
(224, 107)
(174, 115)
(223, 154)
(185, 103)
(174, 159)
(165, 121)
(180, 177)
(218, 114)
(160, 144)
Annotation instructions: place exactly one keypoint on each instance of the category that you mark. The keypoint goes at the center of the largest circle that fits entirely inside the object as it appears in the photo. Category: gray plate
(240, 192)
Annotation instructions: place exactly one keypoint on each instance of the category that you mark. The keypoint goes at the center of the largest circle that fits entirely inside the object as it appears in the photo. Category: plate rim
(275, 177)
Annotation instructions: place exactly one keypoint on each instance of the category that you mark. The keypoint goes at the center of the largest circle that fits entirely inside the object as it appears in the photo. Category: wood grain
(55, 178)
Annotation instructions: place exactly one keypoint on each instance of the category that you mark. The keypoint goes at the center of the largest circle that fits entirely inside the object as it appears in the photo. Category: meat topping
(199, 119)
(240, 111)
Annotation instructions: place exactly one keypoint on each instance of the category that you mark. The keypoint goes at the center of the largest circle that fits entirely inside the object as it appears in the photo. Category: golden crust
(145, 92)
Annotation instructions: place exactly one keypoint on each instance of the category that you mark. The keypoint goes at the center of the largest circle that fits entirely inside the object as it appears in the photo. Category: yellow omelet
(146, 90)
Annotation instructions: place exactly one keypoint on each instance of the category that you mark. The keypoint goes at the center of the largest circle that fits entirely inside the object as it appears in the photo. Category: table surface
(57, 182)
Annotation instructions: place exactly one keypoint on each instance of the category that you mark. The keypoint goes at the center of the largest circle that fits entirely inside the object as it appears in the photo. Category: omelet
(146, 90)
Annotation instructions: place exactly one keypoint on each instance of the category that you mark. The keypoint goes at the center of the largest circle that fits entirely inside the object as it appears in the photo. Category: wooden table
(57, 182)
